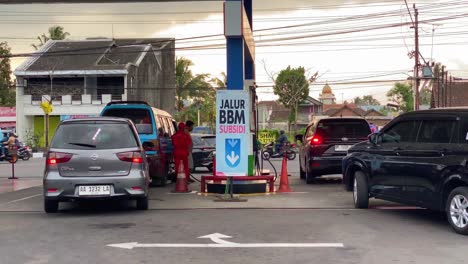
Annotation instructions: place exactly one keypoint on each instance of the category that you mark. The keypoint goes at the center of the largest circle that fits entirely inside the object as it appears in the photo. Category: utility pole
(416, 59)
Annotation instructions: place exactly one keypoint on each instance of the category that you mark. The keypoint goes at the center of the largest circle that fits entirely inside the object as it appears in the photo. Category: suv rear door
(97, 148)
(434, 151)
(335, 136)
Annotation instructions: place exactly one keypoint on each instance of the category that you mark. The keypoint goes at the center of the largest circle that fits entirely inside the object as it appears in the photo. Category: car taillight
(130, 156)
(316, 140)
(58, 157)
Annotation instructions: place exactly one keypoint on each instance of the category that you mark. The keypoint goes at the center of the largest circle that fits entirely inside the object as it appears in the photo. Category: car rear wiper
(82, 144)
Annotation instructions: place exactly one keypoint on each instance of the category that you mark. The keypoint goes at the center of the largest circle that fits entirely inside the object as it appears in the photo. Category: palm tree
(220, 83)
(188, 85)
(55, 33)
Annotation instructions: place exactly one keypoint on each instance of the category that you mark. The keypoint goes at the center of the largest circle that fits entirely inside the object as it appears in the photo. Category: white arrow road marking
(221, 243)
(233, 142)
(217, 238)
(233, 157)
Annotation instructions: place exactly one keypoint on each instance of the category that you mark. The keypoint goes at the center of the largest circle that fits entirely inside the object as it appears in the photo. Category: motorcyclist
(280, 141)
(2, 146)
(373, 128)
(11, 141)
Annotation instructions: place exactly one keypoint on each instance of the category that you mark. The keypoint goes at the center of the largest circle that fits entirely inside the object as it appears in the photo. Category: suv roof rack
(127, 102)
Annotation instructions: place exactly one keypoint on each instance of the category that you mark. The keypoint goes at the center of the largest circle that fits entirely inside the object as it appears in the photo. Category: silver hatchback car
(95, 158)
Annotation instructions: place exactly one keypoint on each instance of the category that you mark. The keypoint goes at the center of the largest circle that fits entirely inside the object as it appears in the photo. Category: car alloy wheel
(458, 211)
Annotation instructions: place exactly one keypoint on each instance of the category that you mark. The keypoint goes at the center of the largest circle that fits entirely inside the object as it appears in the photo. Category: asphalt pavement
(314, 224)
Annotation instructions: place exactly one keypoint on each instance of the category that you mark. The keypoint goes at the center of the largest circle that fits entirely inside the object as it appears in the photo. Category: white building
(81, 77)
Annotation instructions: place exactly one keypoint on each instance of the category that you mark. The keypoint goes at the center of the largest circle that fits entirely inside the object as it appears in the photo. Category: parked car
(95, 158)
(420, 158)
(326, 142)
(202, 130)
(148, 121)
(204, 146)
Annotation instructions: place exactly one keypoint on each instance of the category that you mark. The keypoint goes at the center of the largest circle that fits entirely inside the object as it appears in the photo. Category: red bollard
(13, 160)
(214, 165)
(12, 172)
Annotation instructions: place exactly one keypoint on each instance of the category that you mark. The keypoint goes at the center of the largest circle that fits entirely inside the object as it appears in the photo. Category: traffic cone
(181, 183)
(284, 182)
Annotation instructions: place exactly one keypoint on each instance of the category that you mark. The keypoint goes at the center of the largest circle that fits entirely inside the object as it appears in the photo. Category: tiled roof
(83, 55)
(333, 111)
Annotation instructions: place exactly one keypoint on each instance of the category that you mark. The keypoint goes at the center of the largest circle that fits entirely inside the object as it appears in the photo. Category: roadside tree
(292, 88)
(189, 86)
(402, 94)
(425, 96)
(7, 87)
(199, 91)
(366, 100)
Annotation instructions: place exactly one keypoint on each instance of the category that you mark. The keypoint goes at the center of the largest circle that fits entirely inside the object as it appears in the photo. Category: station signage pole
(234, 147)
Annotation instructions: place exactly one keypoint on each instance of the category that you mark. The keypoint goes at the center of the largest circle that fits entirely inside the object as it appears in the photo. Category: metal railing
(75, 98)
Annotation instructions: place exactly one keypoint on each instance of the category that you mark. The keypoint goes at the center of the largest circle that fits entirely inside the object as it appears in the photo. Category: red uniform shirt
(181, 142)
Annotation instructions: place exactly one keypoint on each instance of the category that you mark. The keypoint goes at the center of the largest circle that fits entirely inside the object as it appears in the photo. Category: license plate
(93, 190)
(342, 147)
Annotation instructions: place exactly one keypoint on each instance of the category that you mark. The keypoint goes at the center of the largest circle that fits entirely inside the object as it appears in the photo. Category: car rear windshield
(201, 130)
(140, 117)
(206, 141)
(210, 141)
(343, 128)
(94, 136)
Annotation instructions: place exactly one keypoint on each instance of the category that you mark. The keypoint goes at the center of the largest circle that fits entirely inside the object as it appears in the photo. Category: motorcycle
(8, 157)
(269, 151)
(24, 152)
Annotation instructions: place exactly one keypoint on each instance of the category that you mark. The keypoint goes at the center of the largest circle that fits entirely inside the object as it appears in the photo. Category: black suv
(326, 142)
(420, 158)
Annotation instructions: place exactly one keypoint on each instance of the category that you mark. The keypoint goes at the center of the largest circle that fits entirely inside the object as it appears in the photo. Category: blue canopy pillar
(235, 121)
(240, 43)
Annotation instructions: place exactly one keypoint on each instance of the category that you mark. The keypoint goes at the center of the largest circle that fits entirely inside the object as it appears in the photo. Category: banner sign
(7, 111)
(266, 137)
(232, 132)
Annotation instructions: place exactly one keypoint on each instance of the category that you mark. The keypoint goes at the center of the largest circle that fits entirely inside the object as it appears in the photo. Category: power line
(409, 12)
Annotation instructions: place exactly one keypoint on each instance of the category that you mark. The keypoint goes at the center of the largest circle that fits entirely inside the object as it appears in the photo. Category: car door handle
(397, 150)
(444, 152)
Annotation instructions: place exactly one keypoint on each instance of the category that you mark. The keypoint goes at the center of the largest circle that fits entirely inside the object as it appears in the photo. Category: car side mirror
(299, 137)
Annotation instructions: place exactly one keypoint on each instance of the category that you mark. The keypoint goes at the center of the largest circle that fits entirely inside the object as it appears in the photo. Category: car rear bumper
(326, 165)
(66, 188)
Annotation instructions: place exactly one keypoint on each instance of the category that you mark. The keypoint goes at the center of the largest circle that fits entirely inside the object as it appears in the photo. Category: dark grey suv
(420, 158)
(326, 142)
(95, 158)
